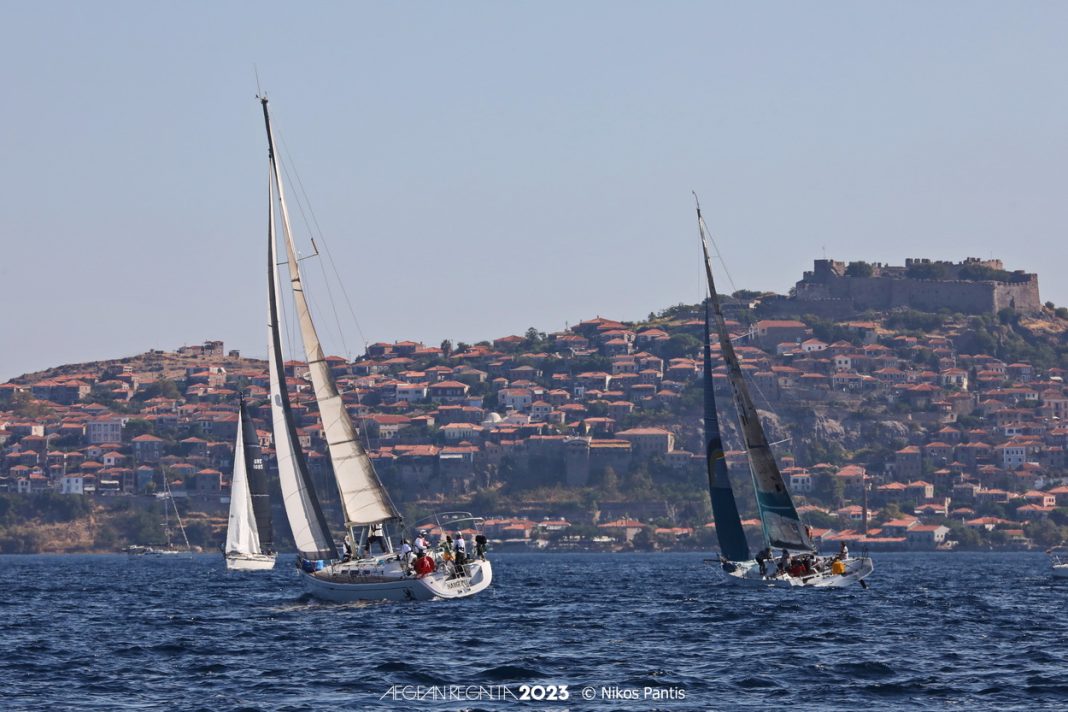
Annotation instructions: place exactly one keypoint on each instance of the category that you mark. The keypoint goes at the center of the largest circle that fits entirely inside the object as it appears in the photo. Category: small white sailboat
(370, 516)
(169, 548)
(248, 529)
(781, 525)
(1058, 559)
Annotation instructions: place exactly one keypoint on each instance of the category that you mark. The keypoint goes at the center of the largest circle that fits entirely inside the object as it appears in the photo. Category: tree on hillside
(859, 269)
(926, 270)
(680, 345)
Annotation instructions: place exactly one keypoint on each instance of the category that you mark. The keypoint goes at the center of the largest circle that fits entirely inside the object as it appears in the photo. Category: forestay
(363, 498)
(310, 531)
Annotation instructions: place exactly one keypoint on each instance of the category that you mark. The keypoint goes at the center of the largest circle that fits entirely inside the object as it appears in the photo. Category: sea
(658, 631)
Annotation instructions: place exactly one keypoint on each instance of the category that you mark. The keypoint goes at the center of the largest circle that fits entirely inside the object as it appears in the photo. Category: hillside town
(898, 427)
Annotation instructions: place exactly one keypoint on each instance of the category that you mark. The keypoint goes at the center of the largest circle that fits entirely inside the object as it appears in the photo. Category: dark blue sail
(732, 542)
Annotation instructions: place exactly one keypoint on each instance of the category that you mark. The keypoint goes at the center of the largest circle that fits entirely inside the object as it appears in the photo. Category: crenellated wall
(889, 288)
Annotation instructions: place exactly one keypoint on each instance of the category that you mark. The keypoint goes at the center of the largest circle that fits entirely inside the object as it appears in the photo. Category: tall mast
(363, 498)
(781, 524)
(310, 530)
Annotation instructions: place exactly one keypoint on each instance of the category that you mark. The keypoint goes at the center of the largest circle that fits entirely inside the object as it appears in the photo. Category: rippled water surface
(934, 631)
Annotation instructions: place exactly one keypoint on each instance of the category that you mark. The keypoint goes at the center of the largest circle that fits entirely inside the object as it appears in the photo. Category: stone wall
(827, 286)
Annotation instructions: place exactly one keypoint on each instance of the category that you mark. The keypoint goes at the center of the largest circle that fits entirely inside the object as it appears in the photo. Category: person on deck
(838, 568)
(420, 543)
(375, 534)
(461, 552)
(423, 564)
(480, 546)
(406, 553)
(762, 560)
(843, 551)
(784, 561)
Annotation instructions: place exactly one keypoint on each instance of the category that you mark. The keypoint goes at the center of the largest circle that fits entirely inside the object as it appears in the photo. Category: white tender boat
(370, 517)
(248, 529)
(781, 525)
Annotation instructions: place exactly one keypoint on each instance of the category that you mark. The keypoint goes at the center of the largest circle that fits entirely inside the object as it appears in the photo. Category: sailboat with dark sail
(370, 517)
(248, 530)
(781, 524)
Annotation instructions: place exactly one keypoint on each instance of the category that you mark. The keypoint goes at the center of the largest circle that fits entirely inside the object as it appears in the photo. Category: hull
(747, 573)
(250, 562)
(356, 581)
(1060, 571)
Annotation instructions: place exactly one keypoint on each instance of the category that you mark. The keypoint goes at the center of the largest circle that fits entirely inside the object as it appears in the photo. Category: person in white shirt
(406, 553)
(461, 551)
(420, 543)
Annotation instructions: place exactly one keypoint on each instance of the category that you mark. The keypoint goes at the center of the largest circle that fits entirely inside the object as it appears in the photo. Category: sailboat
(370, 517)
(169, 548)
(1058, 560)
(780, 523)
(248, 530)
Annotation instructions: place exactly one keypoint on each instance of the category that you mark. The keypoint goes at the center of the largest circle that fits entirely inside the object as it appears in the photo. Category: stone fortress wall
(890, 286)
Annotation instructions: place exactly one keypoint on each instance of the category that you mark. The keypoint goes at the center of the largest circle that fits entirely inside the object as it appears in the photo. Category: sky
(479, 168)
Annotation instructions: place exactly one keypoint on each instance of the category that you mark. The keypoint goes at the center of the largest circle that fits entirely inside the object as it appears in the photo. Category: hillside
(943, 419)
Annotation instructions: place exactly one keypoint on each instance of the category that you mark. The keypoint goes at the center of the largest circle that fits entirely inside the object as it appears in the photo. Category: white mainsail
(242, 534)
(310, 532)
(363, 498)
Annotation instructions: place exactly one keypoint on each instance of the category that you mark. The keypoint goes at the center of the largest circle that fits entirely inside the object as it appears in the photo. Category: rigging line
(318, 231)
(719, 256)
(293, 178)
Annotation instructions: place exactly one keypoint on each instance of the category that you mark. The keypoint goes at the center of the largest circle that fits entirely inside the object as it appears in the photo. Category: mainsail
(778, 516)
(256, 473)
(310, 531)
(242, 534)
(363, 498)
(729, 532)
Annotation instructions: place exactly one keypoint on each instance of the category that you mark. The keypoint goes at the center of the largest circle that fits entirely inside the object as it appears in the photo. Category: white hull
(250, 562)
(1060, 571)
(368, 581)
(747, 573)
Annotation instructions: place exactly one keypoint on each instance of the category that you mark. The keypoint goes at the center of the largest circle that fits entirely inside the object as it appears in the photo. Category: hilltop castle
(973, 286)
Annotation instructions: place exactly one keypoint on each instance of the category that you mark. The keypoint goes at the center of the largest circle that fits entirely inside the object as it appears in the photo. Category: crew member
(423, 564)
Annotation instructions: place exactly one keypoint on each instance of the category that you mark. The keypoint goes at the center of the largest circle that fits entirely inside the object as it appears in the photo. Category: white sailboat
(248, 530)
(781, 525)
(169, 548)
(369, 514)
(1058, 560)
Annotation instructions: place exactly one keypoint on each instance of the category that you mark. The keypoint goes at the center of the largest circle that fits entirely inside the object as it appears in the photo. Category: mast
(310, 531)
(778, 517)
(729, 530)
(364, 500)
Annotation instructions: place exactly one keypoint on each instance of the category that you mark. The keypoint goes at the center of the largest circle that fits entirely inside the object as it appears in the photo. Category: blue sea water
(934, 631)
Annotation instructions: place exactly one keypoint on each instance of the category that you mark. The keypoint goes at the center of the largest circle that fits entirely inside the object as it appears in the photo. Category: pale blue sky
(479, 168)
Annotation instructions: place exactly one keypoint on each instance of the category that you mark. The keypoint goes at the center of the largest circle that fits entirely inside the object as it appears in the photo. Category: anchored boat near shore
(781, 525)
(370, 517)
